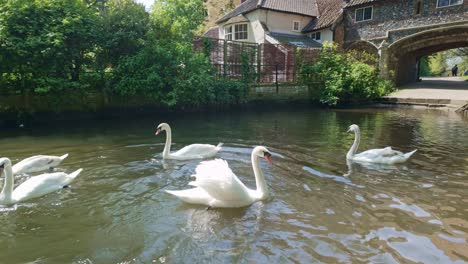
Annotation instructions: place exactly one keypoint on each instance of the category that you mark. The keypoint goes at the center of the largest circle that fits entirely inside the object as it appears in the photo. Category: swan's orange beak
(267, 157)
(157, 131)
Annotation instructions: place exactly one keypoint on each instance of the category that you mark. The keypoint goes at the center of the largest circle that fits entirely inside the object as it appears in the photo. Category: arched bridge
(400, 38)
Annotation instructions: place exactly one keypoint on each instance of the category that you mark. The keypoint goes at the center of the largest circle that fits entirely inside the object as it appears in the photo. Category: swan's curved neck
(354, 147)
(5, 195)
(167, 147)
(262, 188)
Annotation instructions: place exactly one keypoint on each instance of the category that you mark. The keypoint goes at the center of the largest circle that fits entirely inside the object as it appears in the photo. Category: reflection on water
(321, 209)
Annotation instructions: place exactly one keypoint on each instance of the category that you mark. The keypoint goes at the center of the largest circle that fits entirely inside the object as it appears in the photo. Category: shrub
(342, 78)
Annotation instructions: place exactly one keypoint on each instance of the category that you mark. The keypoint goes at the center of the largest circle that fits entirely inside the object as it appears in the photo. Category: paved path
(441, 90)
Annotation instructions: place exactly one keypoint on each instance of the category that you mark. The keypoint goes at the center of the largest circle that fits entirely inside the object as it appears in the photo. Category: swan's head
(353, 128)
(4, 162)
(262, 152)
(161, 127)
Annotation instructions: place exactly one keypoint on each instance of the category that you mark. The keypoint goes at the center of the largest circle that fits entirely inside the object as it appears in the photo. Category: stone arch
(363, 46)
(367, 47)
(404, 54)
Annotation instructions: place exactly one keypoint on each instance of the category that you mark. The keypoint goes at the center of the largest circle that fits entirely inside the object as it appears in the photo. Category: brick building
(399, 32)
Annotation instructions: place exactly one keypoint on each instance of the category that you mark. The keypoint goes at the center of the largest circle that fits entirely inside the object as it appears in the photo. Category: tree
(177, 20)
(43, 39)
(438, 63)
(124, 28)
(461, 56)
(424, 68)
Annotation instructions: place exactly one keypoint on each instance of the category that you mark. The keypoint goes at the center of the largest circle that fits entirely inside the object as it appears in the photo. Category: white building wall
(282, 22)
(276, 22)
(326, 35)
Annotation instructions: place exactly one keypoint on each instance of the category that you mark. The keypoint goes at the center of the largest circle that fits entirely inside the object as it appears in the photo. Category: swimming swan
(217, 186)
(34, 187)
(194, 151)
(385, 156)
(37, 163)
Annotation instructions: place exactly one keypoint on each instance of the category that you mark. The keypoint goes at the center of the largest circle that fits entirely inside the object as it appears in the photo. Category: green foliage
(177, 19)
(57, 48)
(124, 28)
(248, 58)
(424, 68)
(460, 56)
(438, 64)
(341, 78)
(45, 42)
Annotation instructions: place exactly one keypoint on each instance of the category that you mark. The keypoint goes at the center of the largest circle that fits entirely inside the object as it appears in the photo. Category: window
(296, 25)
(418, 8)
(443, 3)
(228, 33)
(240, 31)
(363, 14)
(316, 36)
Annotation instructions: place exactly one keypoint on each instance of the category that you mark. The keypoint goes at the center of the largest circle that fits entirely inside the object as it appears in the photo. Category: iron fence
(263, 63)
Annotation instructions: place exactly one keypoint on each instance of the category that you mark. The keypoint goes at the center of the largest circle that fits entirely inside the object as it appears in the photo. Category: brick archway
(401, 57)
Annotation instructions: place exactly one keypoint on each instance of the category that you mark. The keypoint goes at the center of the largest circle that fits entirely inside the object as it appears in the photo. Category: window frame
(363, 14)
(237, 32)
(298, 26)
(228, 32)
(449, 5)
(316, 34)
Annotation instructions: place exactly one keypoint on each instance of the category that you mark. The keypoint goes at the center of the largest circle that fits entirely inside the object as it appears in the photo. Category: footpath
(449, 92)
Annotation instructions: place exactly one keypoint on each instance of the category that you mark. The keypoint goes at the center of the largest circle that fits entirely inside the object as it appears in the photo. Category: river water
(321, 209)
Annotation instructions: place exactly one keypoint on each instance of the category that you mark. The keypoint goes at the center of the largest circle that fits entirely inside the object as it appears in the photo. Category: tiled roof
(359, 2)
(329, 12)
(212, 33)
(296, 40)
(302, 7)
(245, 7)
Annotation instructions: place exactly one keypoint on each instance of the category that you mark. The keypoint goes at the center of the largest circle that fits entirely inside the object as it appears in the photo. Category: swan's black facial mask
(2, 167)
(267, 157)
(158, 131)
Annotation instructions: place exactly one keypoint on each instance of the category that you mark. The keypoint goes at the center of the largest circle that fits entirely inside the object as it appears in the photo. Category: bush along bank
(338, 79)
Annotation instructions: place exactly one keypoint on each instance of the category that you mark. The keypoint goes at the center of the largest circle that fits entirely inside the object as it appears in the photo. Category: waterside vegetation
(76, 52)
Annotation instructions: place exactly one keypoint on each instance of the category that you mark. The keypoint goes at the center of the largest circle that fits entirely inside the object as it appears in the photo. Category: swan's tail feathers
(409, 154)
(218, 147)
(73, 175)
(63, 157)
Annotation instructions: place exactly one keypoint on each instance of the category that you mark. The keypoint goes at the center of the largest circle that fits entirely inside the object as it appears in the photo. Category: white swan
(194, 151)
(37, 163)
(217, 186)
(385, 156)
(33, 187)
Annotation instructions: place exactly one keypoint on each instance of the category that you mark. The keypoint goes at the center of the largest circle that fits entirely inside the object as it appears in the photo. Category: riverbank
(25, 110)
(31, 110)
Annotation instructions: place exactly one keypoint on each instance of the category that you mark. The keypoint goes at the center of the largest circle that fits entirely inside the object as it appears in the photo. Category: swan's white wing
(43, 184)
(37, 163)
(193, 196)
(386, 156)
(218, 180)
(197, 151)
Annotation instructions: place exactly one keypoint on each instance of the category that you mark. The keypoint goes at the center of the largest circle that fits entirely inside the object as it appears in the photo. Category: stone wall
(400, 14)
(281, 93)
